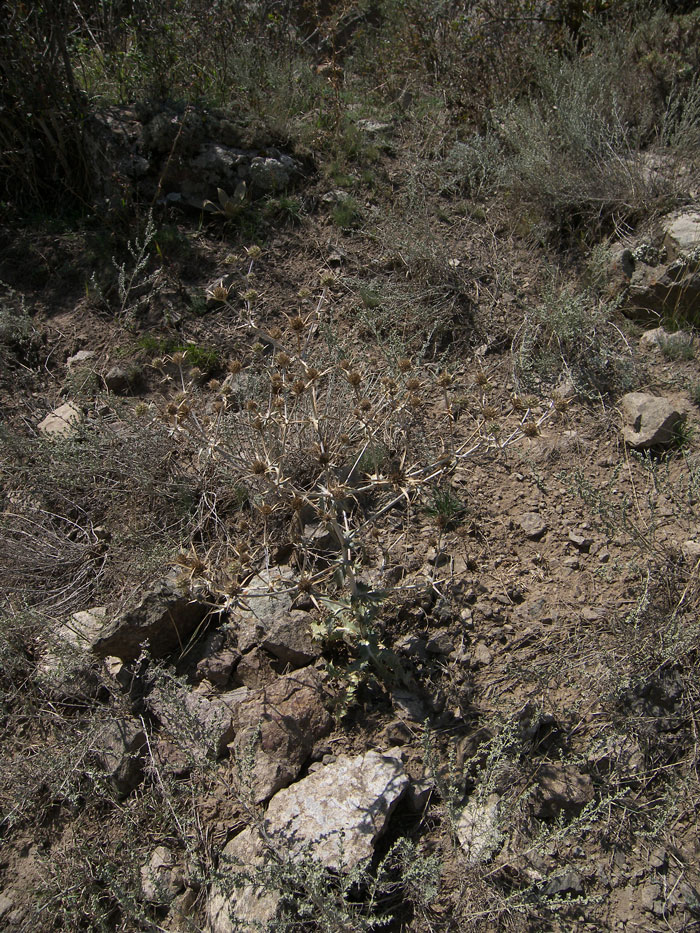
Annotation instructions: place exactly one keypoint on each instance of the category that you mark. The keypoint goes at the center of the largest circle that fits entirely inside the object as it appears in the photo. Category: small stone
(410, 705)
(567, 883)
(217, 667)
(561, 788)
(119, 748)
(412, 646)
(373, 126)
(580, 541)
(648, 895)
(395, 733)
(440, 643)
(247, 904)
(482, 654)
(691, 550)
(291, 642)
(532, 525)
(122, 381)
(82, 356)
(438, 557)
(658, 859)
(255, 670)
(65, 663)
(6, 904)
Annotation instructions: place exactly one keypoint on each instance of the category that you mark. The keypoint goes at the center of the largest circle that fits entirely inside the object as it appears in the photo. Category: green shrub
(570, 335)
(347, 214)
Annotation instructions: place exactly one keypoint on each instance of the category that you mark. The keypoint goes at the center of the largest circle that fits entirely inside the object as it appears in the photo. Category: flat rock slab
(478, 828)
(165, 619)
(649, 420)
(335, 815)
(278, 725)
(341, 810)
(683, 234)
(268, 601)
(61, 422)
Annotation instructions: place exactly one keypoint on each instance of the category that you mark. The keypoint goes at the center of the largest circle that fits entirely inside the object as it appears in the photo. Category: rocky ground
(351, 557)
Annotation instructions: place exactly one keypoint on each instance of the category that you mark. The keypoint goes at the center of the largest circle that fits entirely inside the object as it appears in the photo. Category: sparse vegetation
(367, 283)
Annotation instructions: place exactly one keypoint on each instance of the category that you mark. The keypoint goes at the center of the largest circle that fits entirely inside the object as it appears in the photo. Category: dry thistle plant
(326, 450)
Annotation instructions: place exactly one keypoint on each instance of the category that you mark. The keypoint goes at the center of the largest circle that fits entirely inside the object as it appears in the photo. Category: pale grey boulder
(650, 421)
(335, 816)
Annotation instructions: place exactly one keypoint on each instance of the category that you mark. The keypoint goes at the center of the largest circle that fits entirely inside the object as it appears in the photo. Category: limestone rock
(477, 828)
(65, 662)
(219, 165)
(236, 901)
(268, 603)
(199, 722)
(650, 421)
(373, 127)
(164, 618)
(82, 356)
(336, 814)
(119, 746)
(290, 640)
(669, 289)
(341, 810)
(682, 235)
(290, 717)
(162, 878)
(268, 174)
(61, 422)
(659, 337)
